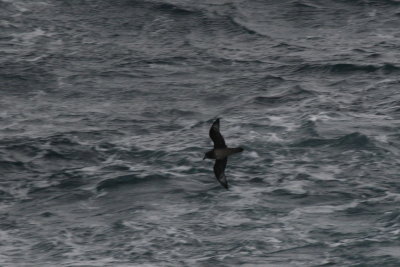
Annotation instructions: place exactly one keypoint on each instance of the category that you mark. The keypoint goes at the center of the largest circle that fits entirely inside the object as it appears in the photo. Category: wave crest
(342, 68)
(350, 141)
(129, 179)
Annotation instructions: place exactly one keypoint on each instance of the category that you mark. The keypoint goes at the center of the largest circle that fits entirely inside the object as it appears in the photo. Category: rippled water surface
(105, 109)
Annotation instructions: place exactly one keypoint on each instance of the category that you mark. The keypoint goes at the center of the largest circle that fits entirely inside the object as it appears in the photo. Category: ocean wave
(11, 5)
(270, 77)
(342, 68)
(349, 141)
(68, 154)
(209, 19)
(29, 37)
(9, 165)
(4, 196)
(20, 77)
(173, 9)
(116, 167)
(296, 93)
(176, 10)
(353, 140)
(54, 152)
(380, 2)
(130, 179)
(180, 112)
(240, 25)
(305, 4)
(60, 180)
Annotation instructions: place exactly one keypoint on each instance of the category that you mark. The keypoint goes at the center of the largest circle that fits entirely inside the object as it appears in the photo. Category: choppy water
(104, 114)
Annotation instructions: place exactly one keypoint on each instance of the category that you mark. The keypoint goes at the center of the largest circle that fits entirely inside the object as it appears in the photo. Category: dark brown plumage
(220, 153)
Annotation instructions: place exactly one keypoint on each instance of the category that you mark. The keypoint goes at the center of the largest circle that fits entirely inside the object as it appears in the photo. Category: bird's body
(220, 153)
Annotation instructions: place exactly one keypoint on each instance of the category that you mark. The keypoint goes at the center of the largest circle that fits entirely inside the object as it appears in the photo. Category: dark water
(104, 114)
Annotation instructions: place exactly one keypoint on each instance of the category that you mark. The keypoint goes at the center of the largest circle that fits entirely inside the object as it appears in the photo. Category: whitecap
(295, 187)
(273, 137)
(319, 117)
(231, 219)
(382, 138)
(27, 37)
(322, 209)
(91, 169)
(280, 121)
(252, 154)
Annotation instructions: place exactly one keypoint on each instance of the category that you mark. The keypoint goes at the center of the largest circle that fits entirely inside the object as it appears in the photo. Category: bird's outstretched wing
(216, 136)
(219, 170)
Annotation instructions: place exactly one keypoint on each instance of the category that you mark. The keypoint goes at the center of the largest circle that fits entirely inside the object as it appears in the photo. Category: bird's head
(209, 155)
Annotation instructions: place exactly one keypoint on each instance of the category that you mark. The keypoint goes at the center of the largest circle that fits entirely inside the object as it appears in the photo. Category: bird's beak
(204, 157)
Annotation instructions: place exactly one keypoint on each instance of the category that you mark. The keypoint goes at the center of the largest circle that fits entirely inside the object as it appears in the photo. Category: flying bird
(220, 153)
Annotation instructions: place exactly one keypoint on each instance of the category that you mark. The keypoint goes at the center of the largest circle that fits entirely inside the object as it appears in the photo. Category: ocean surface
(105, 108)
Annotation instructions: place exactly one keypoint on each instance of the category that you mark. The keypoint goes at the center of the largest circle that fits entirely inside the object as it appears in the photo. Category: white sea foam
(28, 37)
(319, 117)
(322, 209)
(283, 121)
(382, 138)
(252, 154)
(274, 138)
(296, 187)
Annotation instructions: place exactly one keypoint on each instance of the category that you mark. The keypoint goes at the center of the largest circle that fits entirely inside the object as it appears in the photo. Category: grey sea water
(105, 108)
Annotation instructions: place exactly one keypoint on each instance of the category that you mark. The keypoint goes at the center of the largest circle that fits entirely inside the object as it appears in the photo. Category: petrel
(220, 153)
